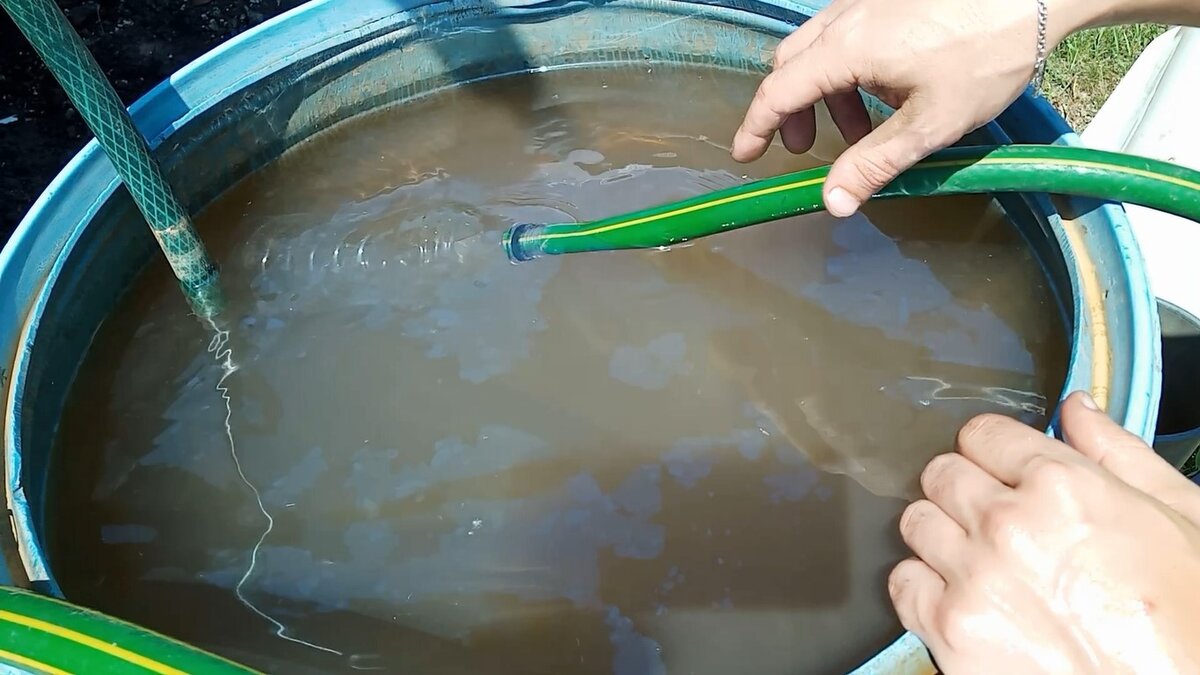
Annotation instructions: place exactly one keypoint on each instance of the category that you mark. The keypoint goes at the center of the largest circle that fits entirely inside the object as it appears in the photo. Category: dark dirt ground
(138, 43)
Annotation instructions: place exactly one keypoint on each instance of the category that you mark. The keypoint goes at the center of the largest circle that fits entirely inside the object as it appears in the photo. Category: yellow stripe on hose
(687, 209)
(89, 641)
(1081, 163)
(947, 164)
(38, 666)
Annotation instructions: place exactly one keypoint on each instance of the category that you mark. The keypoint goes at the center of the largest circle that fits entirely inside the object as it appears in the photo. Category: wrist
(1069, 16)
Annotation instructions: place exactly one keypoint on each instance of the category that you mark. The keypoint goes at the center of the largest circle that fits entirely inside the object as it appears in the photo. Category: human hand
(947, 66)
(1036, 556)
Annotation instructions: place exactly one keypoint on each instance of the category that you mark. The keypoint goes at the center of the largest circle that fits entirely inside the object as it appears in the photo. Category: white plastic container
(1153, 112)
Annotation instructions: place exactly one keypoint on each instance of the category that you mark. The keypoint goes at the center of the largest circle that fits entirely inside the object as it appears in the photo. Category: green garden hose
(43, 635)
(60, 47)
(1071, 171)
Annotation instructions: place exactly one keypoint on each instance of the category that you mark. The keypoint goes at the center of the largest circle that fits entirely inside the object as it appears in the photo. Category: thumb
(904, 139)
(1096, 436)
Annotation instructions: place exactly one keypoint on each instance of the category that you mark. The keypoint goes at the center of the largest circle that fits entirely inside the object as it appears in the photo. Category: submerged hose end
(516, 243)
(207, 300)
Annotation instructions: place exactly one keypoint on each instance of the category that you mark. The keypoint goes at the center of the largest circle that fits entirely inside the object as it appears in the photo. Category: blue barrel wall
(258, 95)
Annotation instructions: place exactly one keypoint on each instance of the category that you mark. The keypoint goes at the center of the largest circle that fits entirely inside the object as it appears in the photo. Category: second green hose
(1074, 171)
(50, 637)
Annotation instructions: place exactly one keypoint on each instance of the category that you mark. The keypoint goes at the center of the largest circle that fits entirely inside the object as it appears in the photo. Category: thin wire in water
(223, 354)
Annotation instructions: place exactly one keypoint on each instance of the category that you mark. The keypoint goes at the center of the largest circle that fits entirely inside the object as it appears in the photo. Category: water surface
(632, 463)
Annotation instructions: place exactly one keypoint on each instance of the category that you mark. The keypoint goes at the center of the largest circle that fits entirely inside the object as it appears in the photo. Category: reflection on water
(639, 462)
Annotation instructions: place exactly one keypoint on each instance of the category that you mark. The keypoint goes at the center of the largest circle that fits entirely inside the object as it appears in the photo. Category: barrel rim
(88, 181)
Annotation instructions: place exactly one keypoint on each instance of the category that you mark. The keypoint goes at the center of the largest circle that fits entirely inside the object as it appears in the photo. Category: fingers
(1004, 447)
(916, 591)
(803, 37)
(906, 138)
(1094, 435)
(960, 488)
(784, 104)
(850, 115)
(797, 85)
(934, 537)
(799, 131)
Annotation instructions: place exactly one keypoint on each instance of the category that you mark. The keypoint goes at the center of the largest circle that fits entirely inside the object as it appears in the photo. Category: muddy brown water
(688, 461)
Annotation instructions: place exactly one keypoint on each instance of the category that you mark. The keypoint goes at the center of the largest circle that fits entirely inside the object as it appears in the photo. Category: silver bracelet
(1039, 66)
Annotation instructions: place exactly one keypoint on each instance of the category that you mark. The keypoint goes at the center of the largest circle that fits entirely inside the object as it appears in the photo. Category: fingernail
(737, 147)
(840, 203)
(1086, 400)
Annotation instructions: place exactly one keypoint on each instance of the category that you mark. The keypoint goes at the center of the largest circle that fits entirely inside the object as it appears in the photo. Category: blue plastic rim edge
(64, 210)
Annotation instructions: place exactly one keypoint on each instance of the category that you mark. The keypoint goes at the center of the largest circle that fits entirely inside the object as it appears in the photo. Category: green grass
(1083, 71)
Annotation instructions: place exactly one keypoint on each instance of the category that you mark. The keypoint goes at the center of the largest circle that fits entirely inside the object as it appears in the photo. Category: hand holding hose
(1032, 555)
(947, 66)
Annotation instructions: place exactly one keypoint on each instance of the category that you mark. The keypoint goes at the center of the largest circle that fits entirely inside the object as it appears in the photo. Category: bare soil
(138, 43)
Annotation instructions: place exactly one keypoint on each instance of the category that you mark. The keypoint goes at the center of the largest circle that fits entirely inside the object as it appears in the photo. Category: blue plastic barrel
(251, 99)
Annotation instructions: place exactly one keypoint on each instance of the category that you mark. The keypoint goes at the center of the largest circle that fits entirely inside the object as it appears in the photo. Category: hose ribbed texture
(60, 47)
